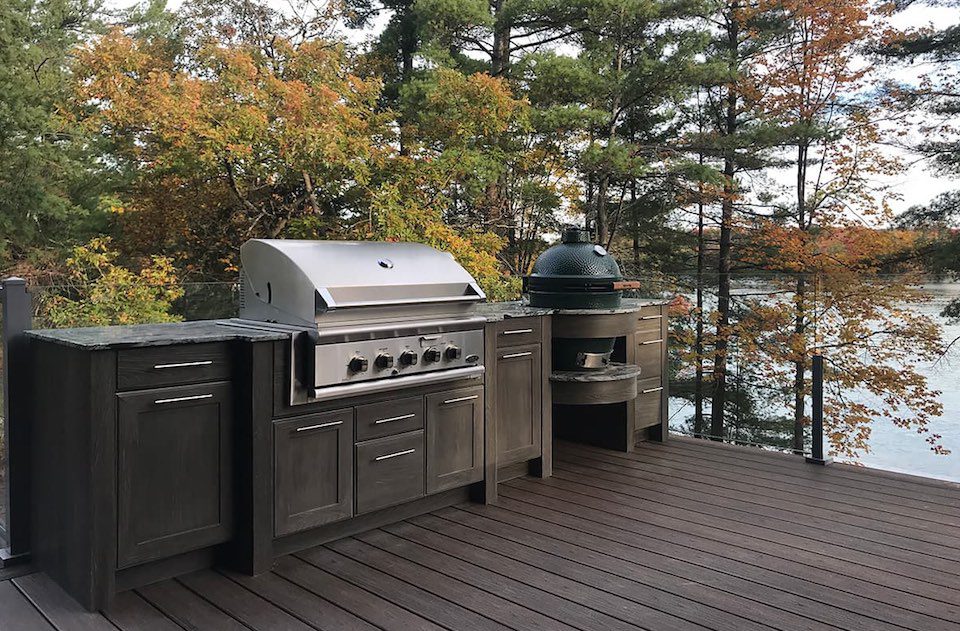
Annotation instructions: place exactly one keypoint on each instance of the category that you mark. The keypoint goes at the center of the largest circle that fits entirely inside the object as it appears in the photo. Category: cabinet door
(454, 438)
(313, 471)
(518, 404)
(174, 471)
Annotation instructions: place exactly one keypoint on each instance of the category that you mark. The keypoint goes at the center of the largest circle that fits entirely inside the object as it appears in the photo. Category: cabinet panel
(518, 403)
(313, 471)
(454, 438)
(389, 471)
(174, 471)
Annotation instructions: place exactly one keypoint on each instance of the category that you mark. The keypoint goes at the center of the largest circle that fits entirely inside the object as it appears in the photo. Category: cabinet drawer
(389, 417)
(517, 331)
(390, 471)
(650, 347)
(649, 319)
(313, 470)
(648, 405)
(139, 368)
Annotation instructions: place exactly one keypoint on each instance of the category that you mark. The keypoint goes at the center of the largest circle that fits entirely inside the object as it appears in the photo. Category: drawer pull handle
(319, 426)
(650, 317)
(652, 342)
(394, 418)
(183, 365)
(459, 399)
(394, 455)
(195, 397)
(649, 390)
(512, 355)
(516, 332)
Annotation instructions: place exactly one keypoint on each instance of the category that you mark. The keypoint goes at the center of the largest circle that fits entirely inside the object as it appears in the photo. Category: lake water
(905, 451)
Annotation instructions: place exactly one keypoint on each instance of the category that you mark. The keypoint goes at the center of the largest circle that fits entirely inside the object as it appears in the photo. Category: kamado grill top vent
(576, 274)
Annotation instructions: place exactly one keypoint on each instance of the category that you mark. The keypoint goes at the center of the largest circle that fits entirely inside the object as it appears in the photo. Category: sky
(916, 185)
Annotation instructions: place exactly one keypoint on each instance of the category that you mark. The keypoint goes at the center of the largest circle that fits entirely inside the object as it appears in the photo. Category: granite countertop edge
(147, 335)
(497, 311)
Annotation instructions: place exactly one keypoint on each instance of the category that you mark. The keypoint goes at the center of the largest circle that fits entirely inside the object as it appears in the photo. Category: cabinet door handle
(183, 364)
(656, 317)
(394, 455)
(516, 332)
(319, 426)
(512, 355)
(649, 390)
(459, 399)
(195, 397)
(651, 342)
(394, 418)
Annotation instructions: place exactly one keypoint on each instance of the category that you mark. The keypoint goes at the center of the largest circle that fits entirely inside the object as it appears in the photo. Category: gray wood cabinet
(519, 401)
(389, 471)
(454, 438)
(174, 470)
(313, 470)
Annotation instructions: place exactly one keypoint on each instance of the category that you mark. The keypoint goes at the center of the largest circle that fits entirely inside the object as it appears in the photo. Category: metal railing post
(17, 312)
(816, 456)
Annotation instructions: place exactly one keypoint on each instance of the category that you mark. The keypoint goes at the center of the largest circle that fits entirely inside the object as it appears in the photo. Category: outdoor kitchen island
(168, 448)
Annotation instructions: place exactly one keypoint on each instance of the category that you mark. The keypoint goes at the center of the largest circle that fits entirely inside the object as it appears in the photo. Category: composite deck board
(901, 531)
(928, 584)
(63, 612)
(300, 603)
(188, 609)
(767, 591)
(840, 472)
(130, 612)
(365, 605)
(601, 569)
(813, 581)
(795, 532)
(17, 613)
(687, 536)
(668, 463)
(514, 586)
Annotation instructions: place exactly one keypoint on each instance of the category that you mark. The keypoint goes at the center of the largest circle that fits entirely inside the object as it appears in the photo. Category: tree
(49, 186)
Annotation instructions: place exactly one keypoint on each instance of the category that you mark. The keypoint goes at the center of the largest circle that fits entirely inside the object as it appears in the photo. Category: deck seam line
(275, 604)
(213, 604)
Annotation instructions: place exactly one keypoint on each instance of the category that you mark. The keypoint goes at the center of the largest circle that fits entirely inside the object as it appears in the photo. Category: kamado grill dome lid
(575, 274)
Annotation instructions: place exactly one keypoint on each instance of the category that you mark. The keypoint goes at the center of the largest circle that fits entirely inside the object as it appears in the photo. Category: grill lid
(294, 281)
(575, 274)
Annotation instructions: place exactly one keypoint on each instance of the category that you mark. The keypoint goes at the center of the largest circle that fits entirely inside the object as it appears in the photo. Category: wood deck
(684, 536)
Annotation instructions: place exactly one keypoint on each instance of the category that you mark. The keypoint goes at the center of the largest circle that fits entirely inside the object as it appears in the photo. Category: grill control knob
(359, 363)
(384, 360)
(432, 354)
(453, 352)
(408, 358)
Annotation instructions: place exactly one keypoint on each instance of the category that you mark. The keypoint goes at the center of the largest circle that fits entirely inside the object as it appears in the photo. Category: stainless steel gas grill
(364, 316)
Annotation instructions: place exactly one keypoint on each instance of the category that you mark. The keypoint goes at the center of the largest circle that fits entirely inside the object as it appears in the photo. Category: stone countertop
(496, 311)
(613, 372)
(166, 334)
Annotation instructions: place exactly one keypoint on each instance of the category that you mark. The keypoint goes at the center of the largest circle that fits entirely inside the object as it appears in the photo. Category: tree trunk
(718, 401)
(799, 322)
(698, 345)
(408, 48)
(500, 56)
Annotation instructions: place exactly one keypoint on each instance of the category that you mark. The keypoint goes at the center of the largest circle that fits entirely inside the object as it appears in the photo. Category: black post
(816, 456)
(17, 311)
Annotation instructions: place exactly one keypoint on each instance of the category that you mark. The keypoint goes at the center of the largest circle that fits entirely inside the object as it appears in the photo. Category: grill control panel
(351, 362)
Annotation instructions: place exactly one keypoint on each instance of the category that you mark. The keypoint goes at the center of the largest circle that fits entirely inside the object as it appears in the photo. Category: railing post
(816, 456)
(17, 311)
